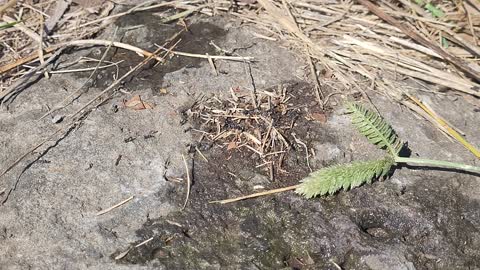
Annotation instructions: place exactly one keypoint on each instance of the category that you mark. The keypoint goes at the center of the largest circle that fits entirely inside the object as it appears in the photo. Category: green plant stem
(438, 163)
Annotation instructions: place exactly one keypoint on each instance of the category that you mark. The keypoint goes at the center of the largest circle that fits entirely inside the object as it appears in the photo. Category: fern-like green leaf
(375, 128)
(347, 176)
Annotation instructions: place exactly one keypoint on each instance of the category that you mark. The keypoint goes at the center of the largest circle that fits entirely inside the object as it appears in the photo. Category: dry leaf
(136, 103)
(319, 117)
(328, 73)
(232, 145)
(163, 91)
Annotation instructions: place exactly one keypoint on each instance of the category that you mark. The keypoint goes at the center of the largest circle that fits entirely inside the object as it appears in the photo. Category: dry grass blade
(372, 52)
(7, 5)
(422, 40)
(89, 42)
(107, 43)
(26, 59)
(310, 24)
(450, 131)
(255, 195)
(114, 206)
(211, 57)
(75, 70)
(189, 181)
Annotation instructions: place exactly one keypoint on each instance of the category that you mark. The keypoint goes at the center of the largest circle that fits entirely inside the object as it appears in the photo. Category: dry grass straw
(104, 211)
(46, 26)
(27, 41)
(189, 182)
(445, 126)
(69, 26)
(389, 43)
(255, 195)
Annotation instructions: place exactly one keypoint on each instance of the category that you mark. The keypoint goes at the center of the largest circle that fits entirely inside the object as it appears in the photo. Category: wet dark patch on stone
(249, 234)
(285, 230)
(196, 40)
(266, 233)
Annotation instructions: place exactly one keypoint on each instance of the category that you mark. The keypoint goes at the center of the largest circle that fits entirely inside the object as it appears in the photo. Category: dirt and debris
(110, 191)
(259, 123)
(385, 225)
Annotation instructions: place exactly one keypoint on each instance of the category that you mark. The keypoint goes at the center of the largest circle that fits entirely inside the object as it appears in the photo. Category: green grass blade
(434, 10)
(347, 176)
(7, 25)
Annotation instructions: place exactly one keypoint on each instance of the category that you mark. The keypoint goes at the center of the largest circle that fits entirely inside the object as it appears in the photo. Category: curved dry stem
(258, 194)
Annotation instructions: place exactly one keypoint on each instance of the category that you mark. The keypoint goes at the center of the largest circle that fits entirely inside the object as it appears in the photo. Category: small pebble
(88, 166)
(114, 108)
(257, 187)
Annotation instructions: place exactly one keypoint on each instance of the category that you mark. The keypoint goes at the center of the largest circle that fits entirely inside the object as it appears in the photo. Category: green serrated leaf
(347, 176)
(375, 128)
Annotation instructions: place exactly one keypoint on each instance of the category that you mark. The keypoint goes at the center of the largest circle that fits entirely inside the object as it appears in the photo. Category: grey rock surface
(417, 219)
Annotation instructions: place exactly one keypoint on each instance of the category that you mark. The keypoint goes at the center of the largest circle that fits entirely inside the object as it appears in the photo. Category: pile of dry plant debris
(257, 122)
